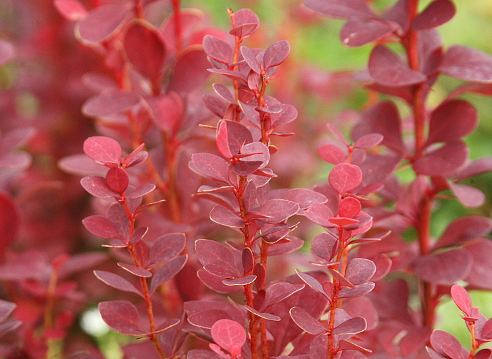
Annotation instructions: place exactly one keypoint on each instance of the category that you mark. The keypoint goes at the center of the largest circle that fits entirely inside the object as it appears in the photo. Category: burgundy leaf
(452, 120)
(340, 278)
(306, 322)
(446, 345)
(231, 137)
(217, 256)
(469, 196)
(190, 71)
(167, 271)
(437, 13)
(211, 166)
(217, 49)
(277, 292)
(121, 316)
(109, 103)
(97, 186)
(349, 207)
(101, 226)
(248, 260)
(138, 271)
(102, 22)
(369, 140)
(414, 340)
(483, 354)
(225, 93)
(166, 247)
(360, 270)
(319, 214)
(251, 59)
(227, 332)
(444, 161)
(103, 150)
(140, 191)
(6, 308)
(345, 177)
(487, 328)
(474, 168)
(324, 247)
(313, 283)
(444, 268)
(71, 10)
(117, 215)
(461, 298)
(202, 354)
(214, 282)
(167, 111)
(240, 281)
(332, 154)
(266, 316)
(117, 180)
(245, 23)
(467, 63)
(226, 217)
(288, 114)
(480, 274)
(363, 307)
(342, 9)
(278, 210)
(115, 281)
(275, 54)
(337, 133)
(386, 68)
(304, 197)
(286, 245)
(358, 31)
(145, 50)
(351, 326)
(358, 291)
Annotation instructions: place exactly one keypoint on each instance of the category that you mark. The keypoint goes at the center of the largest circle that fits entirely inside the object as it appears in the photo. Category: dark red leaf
(226, 217)
(386, 68)
(319, 214)
(117, 180)
(446, 345)
(81, 262)
(248, 260)
(167, 271)
(483, 354)
(109, 103)
(218, 258)
(469, 196)
(313, 283)
(117, 282)
(306, 322)
(240, 280)
(97, 187)
(360, 270)
(6, 308)
(474, 168)
(444, 268)
(487, 328)
(437, 13)
(304, 197)
(140, 191)
(190, 71)
(167, 111)
(343, 9)
(103, 150)
(461, 298)
(121, 316)
(358, 291)
(332, 154)
(345, 177)
(211, 166)
(137, 271)
(227, 332)
(266, 316)
(101, 226)
(278, 210)
(71, 10)
(349, 207)
(358, 31)
(279, 291)
(245, 23)
(369, 140)
(324, 247)
(225, 93)
(444, 161)
(414, 340)
(231, 138)
(467, 63)
(251, 59)
(102, 22)
(351, 326)
(145, 50)
(214, 282)
(275, 54)
(217, 49)
(166, 247)
(287, 245)
(202, 354)
(452, 120)
(480, 274)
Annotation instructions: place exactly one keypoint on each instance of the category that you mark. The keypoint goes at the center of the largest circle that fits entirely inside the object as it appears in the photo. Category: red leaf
(319, 214)
(275, 54)
(231, 137)
(166, 247)
(167, 271)
(101, 226)
(437, 13)
(345, 177)
(7, 52)
(9, 221)
(452, 120)
(109, 103)
(278, 210)
(306, 322)
(467, 63)
(214, 282)
(140, 191)
(360, 270)
(217, 49)
(225, 93)
(444, 268)
(218, 259)
(369, 140)
(351, 326)
(304, 197)
(358, 31)
(446, 345)
(332, 154)
(117, 180)
(461, 298)
(190, 71)
(474, 168)
(71, 10)
(145, 50)
(313, 283)
(467, 195)
(279, 291)
(103, 150)
(342, 9)
(102, 22)
(444, 161)
(349, 207)
(211, 166)
(226, 217)
(137, 271)
(115, 281)
(240, 281)
(245, 23)
(480, 274)
(6, 308)
(167, 111)
(324, 247)
(227, 332)
(358, 291)
(121, 316)
(250, 58)
(414, 340)
(386, 68)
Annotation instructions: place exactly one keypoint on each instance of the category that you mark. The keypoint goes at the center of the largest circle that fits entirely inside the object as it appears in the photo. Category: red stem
(177, 25)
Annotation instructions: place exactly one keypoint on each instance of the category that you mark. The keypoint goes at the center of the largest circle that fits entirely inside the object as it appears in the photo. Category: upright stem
(177, 25)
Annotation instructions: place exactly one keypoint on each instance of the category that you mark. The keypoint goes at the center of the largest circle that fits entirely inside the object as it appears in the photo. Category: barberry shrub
(161, 169)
